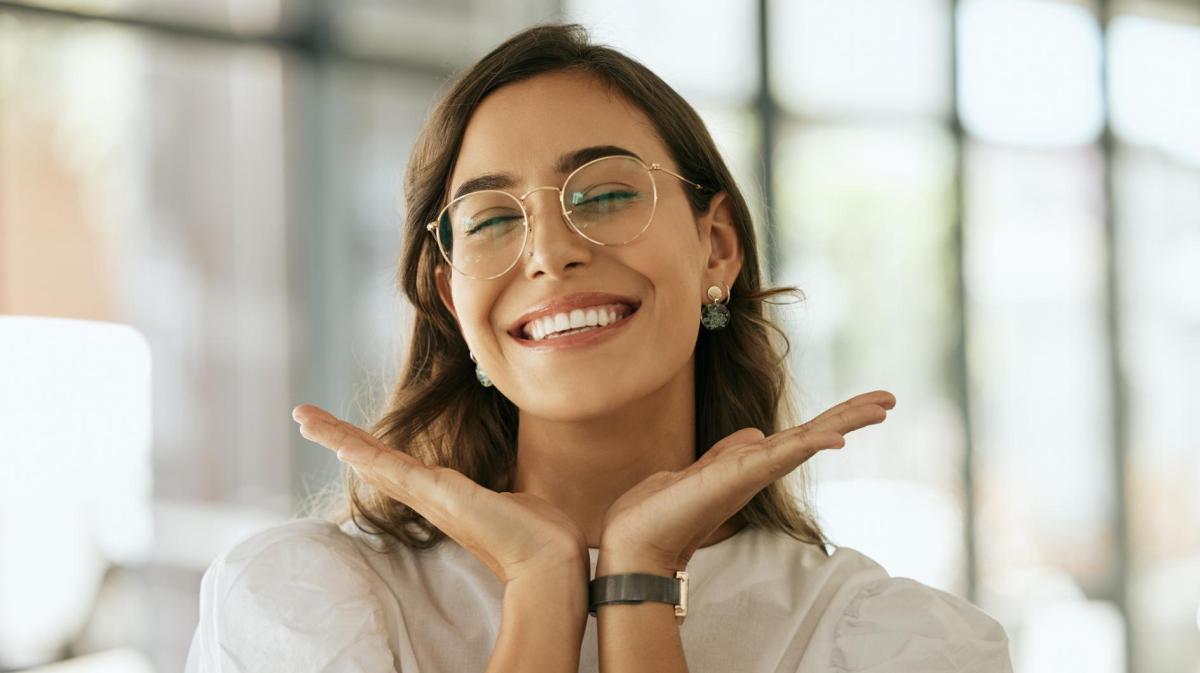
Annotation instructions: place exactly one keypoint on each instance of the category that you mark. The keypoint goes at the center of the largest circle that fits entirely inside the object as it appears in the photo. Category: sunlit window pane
(244, 17)
(861, 56)
(921, 539)
(865, 218)
(97, 465)
(142, 181)
(1155, 84)
(705, 49)
(420, 35)
(1158, 204)
(1030, 72)
(1038, 362)
(1071, 634)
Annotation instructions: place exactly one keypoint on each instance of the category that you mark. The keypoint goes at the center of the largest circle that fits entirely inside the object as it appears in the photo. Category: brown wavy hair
(439, 412)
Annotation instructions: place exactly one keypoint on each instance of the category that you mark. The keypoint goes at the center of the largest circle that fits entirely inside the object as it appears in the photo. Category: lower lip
(579, 338)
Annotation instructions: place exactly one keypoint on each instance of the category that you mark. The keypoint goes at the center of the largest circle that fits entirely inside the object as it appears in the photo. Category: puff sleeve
(899, 625)
(296, 598)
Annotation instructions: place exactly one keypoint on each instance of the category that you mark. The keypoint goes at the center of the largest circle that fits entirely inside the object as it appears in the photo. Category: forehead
(523, 128)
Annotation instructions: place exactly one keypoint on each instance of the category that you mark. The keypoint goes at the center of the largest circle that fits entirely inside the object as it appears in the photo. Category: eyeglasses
(608, 201)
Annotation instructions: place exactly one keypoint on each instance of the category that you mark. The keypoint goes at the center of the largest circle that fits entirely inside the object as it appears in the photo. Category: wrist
(637, 578)
(542, 623)
(563, 573)
(566, 589)
(560, 593)
(560, 566)
(618, 562)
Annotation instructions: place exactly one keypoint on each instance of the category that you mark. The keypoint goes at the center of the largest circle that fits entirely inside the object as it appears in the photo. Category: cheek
(676, 287)
(474, 304)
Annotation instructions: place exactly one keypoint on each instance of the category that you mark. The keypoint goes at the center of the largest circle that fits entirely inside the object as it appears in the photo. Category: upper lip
(567, 302)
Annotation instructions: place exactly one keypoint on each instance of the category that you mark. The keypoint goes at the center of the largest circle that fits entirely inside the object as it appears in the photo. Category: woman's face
(522, 130)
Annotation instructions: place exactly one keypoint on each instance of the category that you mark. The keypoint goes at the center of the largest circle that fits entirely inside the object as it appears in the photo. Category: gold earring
(715, 315)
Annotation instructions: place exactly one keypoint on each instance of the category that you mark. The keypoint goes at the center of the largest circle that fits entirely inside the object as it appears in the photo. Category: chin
(567, 400)
(576, 399)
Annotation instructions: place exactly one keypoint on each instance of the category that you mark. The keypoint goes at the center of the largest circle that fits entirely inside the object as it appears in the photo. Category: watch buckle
(681, 608)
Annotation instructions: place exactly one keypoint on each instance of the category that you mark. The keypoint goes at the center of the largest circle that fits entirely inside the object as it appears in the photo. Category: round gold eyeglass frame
(432, 226)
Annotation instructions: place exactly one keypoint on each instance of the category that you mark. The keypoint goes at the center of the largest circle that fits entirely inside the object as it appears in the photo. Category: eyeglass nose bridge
(538, 189)
(526, 247)
(561, 206)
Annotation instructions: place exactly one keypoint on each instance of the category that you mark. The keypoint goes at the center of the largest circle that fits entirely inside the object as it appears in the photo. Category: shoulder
(897, 624)
(269, 564)
(305, 530)
(297, 596)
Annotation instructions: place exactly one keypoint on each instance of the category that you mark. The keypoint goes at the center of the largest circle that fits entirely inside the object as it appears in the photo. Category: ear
(719, 241)
(442, 280)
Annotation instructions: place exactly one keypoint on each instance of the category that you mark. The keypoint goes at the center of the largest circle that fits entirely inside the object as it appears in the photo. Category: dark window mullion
(1118, 584)
(959, 354)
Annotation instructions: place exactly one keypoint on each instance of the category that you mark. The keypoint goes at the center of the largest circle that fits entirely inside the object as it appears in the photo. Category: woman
(592, 407)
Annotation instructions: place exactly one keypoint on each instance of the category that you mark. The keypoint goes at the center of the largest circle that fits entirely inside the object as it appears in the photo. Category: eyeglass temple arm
(658, 167)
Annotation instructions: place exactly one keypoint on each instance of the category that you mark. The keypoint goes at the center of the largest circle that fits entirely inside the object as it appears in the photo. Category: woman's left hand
(658, 524)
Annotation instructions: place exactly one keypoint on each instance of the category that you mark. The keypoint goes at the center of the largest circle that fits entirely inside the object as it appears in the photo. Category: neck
(583, 465)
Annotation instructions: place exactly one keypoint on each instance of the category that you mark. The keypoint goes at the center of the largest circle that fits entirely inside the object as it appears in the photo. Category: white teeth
(575, 319)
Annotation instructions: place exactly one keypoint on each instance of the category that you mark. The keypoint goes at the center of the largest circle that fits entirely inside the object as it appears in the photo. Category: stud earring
(480, 375)
(715, 316)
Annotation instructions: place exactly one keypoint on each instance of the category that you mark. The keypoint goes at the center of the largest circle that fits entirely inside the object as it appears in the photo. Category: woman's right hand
(513, 534)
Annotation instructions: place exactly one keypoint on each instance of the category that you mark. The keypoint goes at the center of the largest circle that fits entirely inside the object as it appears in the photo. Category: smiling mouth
(577, 321)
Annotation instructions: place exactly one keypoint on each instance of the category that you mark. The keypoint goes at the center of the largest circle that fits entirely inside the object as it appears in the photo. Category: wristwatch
(638, 587)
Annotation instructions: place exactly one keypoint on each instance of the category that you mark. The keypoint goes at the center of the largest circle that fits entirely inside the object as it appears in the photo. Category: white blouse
(308, 596)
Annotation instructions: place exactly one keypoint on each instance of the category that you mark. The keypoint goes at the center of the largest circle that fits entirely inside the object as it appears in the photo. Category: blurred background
(992, 206)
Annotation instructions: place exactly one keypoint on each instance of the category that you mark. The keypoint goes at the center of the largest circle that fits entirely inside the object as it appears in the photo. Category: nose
(553, 246)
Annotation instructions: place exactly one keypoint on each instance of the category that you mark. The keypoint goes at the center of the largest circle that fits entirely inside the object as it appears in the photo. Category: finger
(757, 465)
(334, 433)
(351, 442)
(743, 436)
(849, 419)
(783, 451)
(439, 494)
(398, 474)
(881, 398)
(843, 422)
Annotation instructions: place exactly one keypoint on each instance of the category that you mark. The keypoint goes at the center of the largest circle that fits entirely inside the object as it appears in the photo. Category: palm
(668, 515)
(514, 534)
(675, 512)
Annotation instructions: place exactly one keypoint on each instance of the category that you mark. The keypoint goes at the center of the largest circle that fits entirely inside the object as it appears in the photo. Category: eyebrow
(566, 163)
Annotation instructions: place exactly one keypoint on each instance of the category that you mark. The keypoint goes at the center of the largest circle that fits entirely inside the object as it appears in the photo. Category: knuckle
(745, 461)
